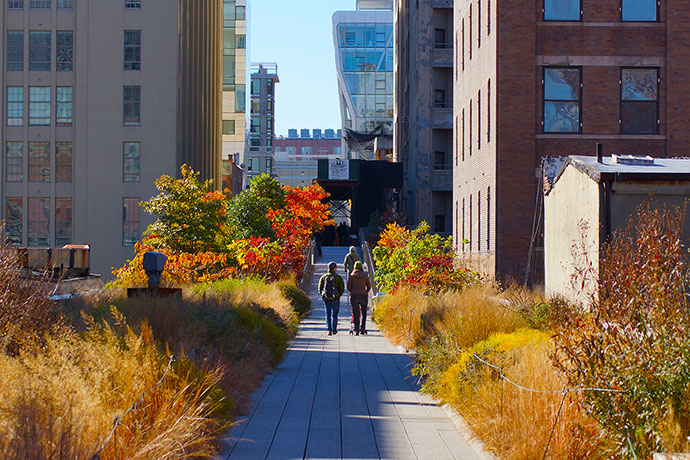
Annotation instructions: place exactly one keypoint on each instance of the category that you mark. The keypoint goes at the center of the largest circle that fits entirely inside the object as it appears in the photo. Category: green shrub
(298, 299)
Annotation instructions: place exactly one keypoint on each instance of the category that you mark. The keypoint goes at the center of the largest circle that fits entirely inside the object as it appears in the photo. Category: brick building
(555, 77)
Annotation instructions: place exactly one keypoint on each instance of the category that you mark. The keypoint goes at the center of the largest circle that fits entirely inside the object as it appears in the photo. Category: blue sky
(298, 36)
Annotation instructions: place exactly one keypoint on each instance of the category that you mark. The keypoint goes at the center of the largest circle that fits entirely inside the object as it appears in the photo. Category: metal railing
(308, 267)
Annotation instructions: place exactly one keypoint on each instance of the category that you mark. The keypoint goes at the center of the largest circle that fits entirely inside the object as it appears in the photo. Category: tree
(192, 217)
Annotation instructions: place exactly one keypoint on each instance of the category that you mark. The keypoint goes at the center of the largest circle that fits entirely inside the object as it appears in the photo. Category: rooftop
(630, 168)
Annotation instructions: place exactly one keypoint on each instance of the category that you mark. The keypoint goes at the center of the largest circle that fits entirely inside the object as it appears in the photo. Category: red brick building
(536, 78)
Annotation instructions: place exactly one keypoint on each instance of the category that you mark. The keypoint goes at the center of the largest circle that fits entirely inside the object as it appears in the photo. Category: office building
(364, 62)
(553, 78)
(235, 70)
(423, 134)
(297, 156)
(259, 157)
(101, 98)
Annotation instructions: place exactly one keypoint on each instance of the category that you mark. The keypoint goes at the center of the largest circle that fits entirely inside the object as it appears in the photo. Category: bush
(298, 298)
(636, 337)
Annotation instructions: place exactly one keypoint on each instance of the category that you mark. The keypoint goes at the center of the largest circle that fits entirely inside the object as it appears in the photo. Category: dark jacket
(358, 283)
(350, 260)
(339, 284)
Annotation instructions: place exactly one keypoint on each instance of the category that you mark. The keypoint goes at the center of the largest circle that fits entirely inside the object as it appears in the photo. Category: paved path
(343, 397)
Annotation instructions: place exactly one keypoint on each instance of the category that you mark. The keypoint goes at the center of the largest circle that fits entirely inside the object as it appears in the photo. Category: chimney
(600, 153)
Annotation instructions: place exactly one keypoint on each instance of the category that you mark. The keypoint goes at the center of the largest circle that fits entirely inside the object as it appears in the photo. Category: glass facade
(234, 77)
(365, 55)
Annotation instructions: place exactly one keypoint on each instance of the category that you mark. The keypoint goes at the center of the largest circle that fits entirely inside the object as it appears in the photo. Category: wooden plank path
(344, 397)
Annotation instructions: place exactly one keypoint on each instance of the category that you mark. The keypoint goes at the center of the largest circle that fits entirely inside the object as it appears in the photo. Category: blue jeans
(332, 309)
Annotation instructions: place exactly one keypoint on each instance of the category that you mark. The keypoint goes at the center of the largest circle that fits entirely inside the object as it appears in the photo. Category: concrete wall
(571, 237)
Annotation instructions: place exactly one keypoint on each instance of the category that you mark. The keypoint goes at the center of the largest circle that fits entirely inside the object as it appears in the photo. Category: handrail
(308, 267)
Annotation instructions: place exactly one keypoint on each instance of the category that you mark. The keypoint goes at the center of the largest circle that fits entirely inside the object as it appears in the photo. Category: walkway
(343, 397)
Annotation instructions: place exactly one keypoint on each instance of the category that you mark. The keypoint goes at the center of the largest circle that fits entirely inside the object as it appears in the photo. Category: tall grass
(509, 329)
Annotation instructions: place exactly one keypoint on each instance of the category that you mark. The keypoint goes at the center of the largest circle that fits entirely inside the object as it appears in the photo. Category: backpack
(329, 290)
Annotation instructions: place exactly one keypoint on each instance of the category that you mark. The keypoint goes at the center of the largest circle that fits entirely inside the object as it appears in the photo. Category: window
(15, 106)
(63, 57)
(63, 106)
(306, 150)
(462, 137)
(241, 41)
(228, 126)
(256, 105)
(269, 142)
(639, 101)
(39, 106)
(131, 162)
(65, 4)
(132, 4)
(639, 10)
(132, 106)
(132, 52)
(291, 150)
(440, 223)
(254, 144)
(562, 100)
(269, 106)
(479, 119)
(15, 50)
(14, 161)
(269, 165)
(463, 44)
(63, 162)
(240, 13)
(562, 10)
(39, 221)
(488, 218)
(63, 221)
(479, 221)
(14, 217)
(40, 4)
(255, 125)
(440, 38)
(256, 86)
(440, 98)
(463, 225)
(15, 4)
(479, 23)
(439, 160)
(470, 227)
(488, 111)
(130, 221)
(457, 138)
(240, 99)
(39, 161)
(269, 127)
(269, 88)
(488, 17)
(253, 164)
(469, 134)
(39, 50)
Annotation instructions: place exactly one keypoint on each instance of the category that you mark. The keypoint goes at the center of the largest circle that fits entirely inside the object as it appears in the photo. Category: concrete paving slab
(344, 396)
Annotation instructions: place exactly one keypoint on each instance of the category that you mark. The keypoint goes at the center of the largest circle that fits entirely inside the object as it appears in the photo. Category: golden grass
(513, 423)
(59, 401)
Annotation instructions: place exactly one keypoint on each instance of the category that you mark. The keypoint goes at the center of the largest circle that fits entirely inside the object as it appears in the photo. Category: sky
(298, 36)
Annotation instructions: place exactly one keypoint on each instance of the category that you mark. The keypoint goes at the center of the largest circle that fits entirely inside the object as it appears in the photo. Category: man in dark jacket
(331, 287)
(350, 259)
(359, 286)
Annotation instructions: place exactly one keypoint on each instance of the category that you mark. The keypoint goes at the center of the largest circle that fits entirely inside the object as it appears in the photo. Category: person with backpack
(350, 260)
(359, 286)
(331, 287)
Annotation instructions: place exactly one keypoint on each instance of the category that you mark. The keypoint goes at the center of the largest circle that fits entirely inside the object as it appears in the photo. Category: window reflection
(561, 10)
(639, 95)
(561, 100)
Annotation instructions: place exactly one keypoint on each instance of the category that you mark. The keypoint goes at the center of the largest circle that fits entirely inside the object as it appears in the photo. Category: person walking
(359, 286)
(331, 287)
(349, 262)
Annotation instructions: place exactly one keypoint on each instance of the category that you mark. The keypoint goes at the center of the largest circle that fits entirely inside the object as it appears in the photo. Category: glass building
(364, 62)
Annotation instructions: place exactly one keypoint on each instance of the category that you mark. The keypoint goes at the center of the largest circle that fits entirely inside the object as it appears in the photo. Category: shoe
(330, 333)
(356, 332)
(364, 332)
(335, 332)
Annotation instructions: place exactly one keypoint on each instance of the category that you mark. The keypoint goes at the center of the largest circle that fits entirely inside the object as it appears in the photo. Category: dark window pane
(639, 10)
(639, 84)
(562, 10)
(638, 117)
(561, 117)
(562, 84)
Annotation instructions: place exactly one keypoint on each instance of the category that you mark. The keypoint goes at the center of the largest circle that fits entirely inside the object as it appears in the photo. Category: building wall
(235, 70)
(423, 110)
(571, 237)
(521, 46)
(475, 174)
(97, 188)
(259, 155)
